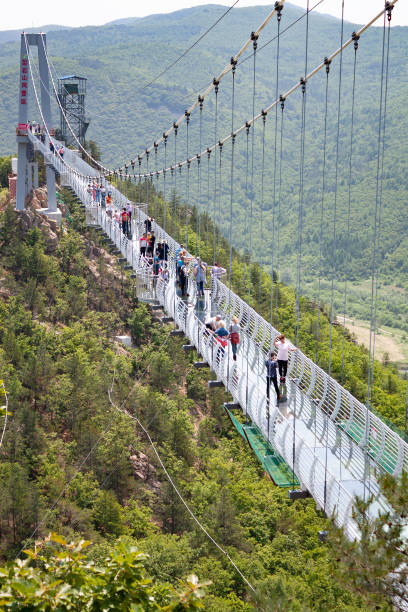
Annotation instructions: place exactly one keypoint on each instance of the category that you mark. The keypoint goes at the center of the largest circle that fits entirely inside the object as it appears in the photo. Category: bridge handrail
(372, 435)
(308, 467)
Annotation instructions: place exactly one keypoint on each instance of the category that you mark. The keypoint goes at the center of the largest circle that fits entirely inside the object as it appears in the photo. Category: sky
(26, 13)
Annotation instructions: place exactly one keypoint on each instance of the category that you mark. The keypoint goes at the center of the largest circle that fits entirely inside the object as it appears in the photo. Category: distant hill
(120, 58)
(13, 35)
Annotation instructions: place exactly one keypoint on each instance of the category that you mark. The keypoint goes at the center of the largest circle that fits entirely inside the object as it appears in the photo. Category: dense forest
(74, 463)
(119, 59)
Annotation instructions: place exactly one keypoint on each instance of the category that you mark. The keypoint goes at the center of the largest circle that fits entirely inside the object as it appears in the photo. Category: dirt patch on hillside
(384, 341)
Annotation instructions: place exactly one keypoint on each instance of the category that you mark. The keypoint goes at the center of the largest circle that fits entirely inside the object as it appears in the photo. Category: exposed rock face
(144, 470)
(32, 217)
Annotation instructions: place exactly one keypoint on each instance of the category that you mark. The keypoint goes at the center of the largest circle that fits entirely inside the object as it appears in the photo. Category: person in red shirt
(124, 217)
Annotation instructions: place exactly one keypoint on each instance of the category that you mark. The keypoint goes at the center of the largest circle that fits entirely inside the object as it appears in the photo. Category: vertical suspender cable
(333, 257)
(300, 227)
(389, 14)
(207, 255)
(327, 62)
(187, 177)
(406, 413)
(231, 203)
(156, 146)
(374, 254)
(254, 38)
(216, 85)
(139, 197)
(282, 104)
(246, 263)
(220, 145)
(278, 8)
(164, 183)
(147, 180)
(174, 184)
(201, 100)
(262, 201)
(347, 241)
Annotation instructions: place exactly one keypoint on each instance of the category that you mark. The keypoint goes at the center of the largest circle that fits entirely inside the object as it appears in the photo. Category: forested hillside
(120, 58)
(72, 463)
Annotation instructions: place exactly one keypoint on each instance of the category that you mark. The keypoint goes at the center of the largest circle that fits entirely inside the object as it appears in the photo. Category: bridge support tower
(27, 169)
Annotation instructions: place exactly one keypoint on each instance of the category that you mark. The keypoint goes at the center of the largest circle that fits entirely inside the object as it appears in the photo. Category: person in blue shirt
(156, 263)
(272, 375)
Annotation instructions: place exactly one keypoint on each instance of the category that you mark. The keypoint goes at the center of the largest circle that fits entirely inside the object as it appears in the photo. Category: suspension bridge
(318, 439)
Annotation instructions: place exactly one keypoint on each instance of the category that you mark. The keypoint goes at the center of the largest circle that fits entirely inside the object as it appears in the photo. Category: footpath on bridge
(331, 441)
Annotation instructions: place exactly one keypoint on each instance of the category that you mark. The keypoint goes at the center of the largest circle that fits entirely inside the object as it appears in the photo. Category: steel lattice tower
(71, 94)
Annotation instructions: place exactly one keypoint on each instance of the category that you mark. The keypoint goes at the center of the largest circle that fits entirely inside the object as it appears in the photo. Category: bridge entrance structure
(27, 169)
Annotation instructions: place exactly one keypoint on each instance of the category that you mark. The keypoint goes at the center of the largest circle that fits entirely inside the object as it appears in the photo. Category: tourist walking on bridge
(284, 348)
(234, 330)
(165, 250)
(212, 322)
(151, 242)
(200, 269)
(272, 376)
(124, 217)
(103, 195)
(143, 244)
(183, 279)
(217, 271)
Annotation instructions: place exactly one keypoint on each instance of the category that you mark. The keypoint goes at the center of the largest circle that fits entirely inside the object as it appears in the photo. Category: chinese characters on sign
(24, 80)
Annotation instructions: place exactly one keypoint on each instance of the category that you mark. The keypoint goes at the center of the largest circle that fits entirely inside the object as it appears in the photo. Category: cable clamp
(216, 84)
(179, 166)
(303, 84)
(278, 8)
(208, 152)
(327, 63)
(356, 38)
(132, 163)
(248, 127)
(175, 127)
(388, 8)
(220, 144)
(282, 101)
(264, 114)
(233, 63)
(254, 38)
(147, 153)
(165, 137)
(172, 170)
(201, 100)
(187, 115)
(188, 163)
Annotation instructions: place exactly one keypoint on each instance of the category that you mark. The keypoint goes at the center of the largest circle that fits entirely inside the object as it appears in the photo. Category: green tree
(107, 514)
(5, 170)
(374, 566)
(56, 575)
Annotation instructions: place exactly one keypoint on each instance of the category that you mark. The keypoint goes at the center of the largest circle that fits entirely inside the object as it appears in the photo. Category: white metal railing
(316, 399)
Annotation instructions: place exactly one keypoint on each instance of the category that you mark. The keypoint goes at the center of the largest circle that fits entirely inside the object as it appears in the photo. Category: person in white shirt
(283, 347)
(217, 271)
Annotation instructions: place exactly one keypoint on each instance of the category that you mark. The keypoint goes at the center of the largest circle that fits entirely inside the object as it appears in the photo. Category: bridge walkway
(331, 441)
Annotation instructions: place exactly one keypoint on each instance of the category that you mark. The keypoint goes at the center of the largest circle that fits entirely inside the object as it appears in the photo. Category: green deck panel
(271, 461)
(356, 432)
(237, 424)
